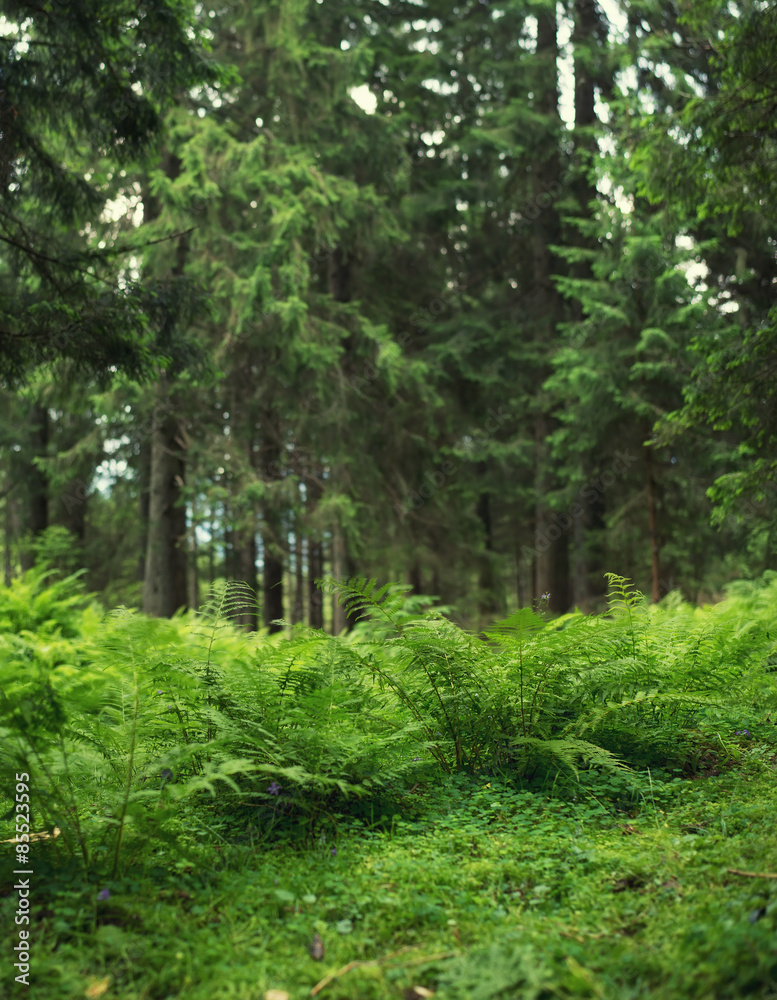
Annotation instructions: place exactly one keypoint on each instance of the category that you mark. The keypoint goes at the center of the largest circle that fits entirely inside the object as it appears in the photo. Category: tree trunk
(144, 477)
(416, 581)
(298, 609)
(193, 575)
(652, 528)
(10, 534)
(36, 481)
(488, 585)
(164, 575)
(315, 572)
(587, 556)
(164, 583)
(315, 551)
(272, 533)
(343, 569)
(245, 553)
(272, 579)
(212, 548)
(551, 534)
(339, 573)
(74, 502)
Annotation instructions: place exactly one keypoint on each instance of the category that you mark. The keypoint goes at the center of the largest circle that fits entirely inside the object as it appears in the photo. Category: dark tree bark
(551, 536)
(272, 532)
(339, 573)
(193, 579)
(315, 572)
(272, 580)
(342, 569)
(298, 607)
(551, 574)
(164, 584)
(652, 525)
(343, 566)
(144, 477)
(587, 555)
(36, 481)
(164, 575)
(10, 528)
(488, 584)
(245, 553)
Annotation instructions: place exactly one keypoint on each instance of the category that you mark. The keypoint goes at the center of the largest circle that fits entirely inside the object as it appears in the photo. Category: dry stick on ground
(379, 961)
(738, 871)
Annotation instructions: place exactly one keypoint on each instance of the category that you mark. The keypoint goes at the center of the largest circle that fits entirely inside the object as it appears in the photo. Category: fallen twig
(738, 871)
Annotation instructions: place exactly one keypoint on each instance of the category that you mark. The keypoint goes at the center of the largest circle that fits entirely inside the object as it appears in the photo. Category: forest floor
(476, 889)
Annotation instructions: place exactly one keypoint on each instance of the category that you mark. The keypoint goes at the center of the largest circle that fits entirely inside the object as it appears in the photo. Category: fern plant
(124, 721)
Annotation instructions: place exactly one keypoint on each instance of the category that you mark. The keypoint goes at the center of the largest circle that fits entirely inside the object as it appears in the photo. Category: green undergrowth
(127, 724)
(477, 889)
(547, 809)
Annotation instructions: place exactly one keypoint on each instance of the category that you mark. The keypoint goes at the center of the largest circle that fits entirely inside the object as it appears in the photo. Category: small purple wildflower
(159, 692)
(334, 852)
(104, 894)
(545, 596)
(274, 788)
(742, 732)
(416, 758)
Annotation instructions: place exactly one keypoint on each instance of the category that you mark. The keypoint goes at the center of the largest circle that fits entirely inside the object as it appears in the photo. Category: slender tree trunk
(524, 578)
(164, 583)
(298, 609)
(272, 579)
(230, 549)
(74, 502)
(339, 287)
(342, 569)
(272, 533)
(587, 556)
(652, 527)
(488, 597)
(551, 536)
(36, 481)
(315, 572)
(315, 551)
(193, 574)
(144, 477)
(212, 549)
(243, 522)
(10, 533)
(339, 573)
(245, 571)
(164, 576)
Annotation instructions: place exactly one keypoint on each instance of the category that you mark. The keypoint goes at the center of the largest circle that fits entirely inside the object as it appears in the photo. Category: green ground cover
(573, 808)
(482, 891)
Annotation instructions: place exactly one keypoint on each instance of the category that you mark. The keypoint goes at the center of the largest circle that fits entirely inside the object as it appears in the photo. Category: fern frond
(570, 753)
(361, 596)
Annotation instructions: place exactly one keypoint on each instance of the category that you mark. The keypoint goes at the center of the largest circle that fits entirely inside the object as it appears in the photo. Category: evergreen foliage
(85, 86)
